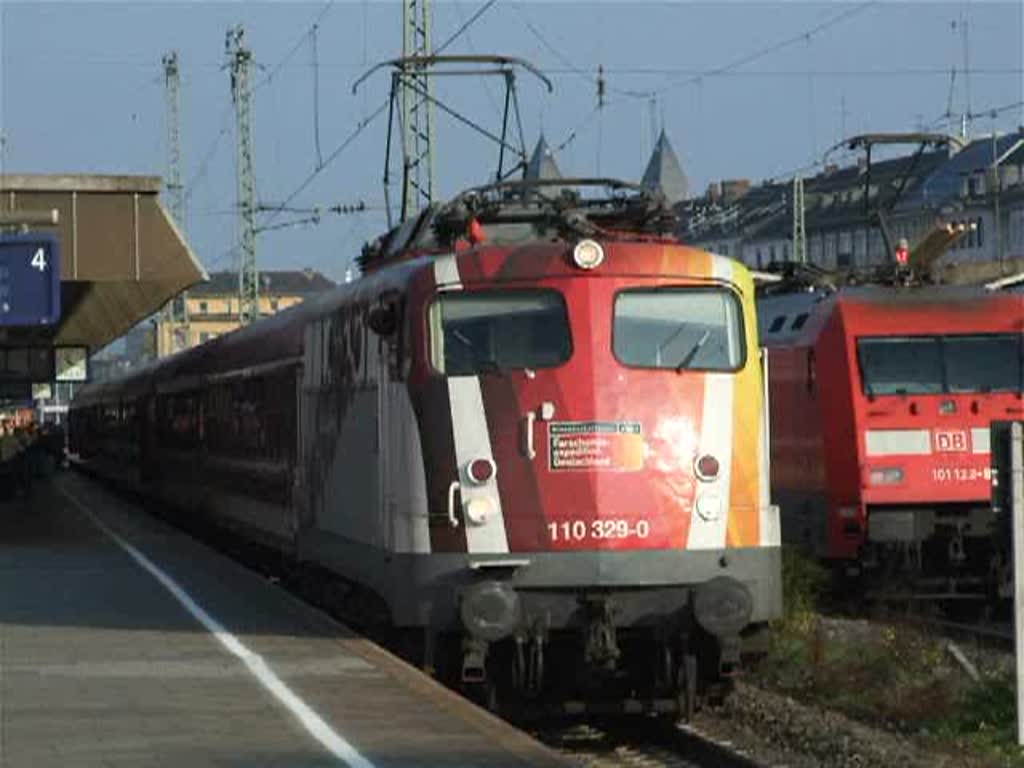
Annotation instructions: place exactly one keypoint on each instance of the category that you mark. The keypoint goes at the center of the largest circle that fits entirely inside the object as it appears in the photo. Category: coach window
(487, 331)
(680, 328)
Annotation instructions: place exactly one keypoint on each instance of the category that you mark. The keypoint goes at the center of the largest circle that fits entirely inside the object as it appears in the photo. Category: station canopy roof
(122, 256)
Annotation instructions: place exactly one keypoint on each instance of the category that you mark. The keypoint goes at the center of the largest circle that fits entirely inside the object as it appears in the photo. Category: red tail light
(481, 470)
(707, 467)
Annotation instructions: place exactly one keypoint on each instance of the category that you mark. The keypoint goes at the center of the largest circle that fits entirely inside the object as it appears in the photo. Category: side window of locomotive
(487, 331)
(696, 329)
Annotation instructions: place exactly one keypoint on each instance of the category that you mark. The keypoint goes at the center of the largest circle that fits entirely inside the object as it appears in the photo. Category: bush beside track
(890, 676)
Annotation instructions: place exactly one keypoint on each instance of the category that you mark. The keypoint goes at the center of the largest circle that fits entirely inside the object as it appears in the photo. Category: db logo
(951, 440)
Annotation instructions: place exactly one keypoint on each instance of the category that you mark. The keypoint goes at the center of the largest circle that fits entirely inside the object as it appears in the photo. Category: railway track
(994, 636)
(629, 743)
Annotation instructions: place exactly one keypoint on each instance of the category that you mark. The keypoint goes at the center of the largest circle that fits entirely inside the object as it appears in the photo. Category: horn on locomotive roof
(412, 75)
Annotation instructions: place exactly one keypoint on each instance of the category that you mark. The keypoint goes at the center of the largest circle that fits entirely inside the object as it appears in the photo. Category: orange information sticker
(595, 446)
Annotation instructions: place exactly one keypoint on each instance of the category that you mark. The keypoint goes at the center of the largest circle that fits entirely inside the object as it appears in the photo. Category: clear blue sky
(81, 90)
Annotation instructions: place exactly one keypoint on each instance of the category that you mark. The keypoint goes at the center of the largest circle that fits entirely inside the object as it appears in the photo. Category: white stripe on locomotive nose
(472, 439)
(716, 439)
(446, 271)
(770, 527)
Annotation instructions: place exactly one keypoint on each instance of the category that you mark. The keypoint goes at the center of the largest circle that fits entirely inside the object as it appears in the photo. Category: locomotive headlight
(709, 507)
(885, 476)
(588, 254)
(478, 509)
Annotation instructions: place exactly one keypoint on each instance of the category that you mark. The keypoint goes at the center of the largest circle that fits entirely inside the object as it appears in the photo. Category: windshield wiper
(461, 337)
(688, 358)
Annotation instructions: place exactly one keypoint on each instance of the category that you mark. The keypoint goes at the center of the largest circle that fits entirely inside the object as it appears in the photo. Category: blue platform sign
(29, 280)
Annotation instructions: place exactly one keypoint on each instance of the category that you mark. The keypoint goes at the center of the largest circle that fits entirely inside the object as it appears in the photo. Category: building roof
(945, 184)
(276, 282)
(835, 198)
(665, 173)
(542, 163)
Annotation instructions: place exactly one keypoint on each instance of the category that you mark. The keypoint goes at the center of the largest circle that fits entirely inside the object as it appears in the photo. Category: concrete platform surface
(124, 642)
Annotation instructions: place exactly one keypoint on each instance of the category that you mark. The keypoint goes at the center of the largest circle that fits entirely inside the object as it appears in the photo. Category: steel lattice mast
(177, 309)
(417, 108)
(239, 63)
(799, 228)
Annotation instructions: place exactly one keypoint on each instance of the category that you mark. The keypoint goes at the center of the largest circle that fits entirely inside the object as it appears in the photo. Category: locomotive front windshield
(486, 331)
(679, 328)
(931, 365)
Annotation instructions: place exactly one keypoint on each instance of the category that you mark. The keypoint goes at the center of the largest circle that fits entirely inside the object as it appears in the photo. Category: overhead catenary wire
(268, 78)
(465, 25)
(225, 121)
(204, 163)
(992, 111)
(316, 97)
(361, 126)
(773, 48)
(472, 49)
(697, 77)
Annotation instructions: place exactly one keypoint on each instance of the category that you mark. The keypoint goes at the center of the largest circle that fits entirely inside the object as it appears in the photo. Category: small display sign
(595, 446)
(42, 391)
(29, 280)
(71, 363)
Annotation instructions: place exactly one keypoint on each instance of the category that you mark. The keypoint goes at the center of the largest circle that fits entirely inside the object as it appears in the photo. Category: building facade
(980, 185)
(213, 307)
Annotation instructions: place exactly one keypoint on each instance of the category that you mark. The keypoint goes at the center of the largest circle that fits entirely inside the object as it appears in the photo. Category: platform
(124, 642)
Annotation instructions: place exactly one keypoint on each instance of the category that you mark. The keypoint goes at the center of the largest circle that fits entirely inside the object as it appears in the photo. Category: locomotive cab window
(696, 329)
(924, 365)
(486, 331)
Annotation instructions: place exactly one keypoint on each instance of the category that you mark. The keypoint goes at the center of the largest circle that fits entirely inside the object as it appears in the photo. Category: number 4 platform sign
(29, 280)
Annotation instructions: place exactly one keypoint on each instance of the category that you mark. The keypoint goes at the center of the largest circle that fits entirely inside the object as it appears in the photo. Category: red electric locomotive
(533, 435)
(881, 399)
